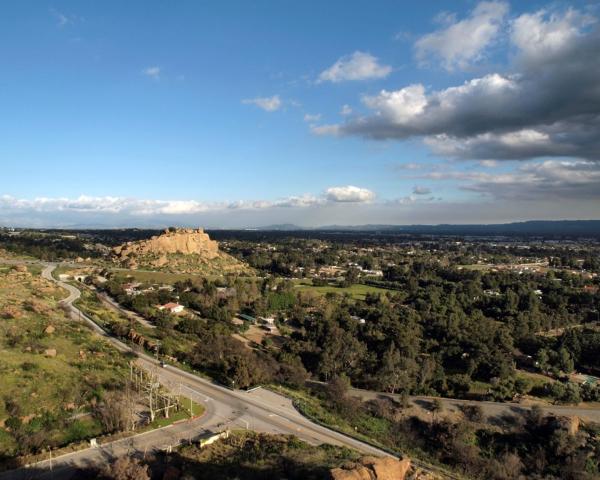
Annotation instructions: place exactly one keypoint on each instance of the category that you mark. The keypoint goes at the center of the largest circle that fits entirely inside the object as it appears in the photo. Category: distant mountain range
(554, 228)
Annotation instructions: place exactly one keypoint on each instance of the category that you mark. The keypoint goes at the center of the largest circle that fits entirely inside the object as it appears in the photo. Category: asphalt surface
(260, 410)
(491, 410)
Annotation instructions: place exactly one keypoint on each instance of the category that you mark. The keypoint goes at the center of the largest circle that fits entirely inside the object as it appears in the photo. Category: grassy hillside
(52, 370)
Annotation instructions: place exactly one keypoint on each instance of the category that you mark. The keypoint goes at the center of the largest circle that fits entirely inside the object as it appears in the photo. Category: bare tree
(127, 468)
(117, 411)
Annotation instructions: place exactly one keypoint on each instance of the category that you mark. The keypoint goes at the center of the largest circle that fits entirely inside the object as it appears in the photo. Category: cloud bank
(546, 104)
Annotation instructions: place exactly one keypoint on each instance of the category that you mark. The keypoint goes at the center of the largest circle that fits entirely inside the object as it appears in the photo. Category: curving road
(260, 410)
(492, 410)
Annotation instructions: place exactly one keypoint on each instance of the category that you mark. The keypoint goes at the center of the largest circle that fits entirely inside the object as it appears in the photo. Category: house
(492, 293)
(171, 307)
(131, 289)
(248, 318)
(373, 273)
(331, 271)
(267, 320)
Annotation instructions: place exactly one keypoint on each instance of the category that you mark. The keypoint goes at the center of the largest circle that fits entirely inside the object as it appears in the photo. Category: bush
(77, 431)
(474, 413)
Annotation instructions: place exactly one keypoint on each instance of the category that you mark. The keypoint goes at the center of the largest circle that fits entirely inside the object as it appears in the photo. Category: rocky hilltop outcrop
(182, 250)
(180, 240)
(373, 468)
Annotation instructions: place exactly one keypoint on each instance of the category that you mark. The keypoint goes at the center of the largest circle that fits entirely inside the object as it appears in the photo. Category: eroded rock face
(182, 240)
(373, 468)
(183, 250)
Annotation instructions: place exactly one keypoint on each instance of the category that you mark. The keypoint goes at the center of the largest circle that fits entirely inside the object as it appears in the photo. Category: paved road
(110, 303)
(260, 410)
(492, 410)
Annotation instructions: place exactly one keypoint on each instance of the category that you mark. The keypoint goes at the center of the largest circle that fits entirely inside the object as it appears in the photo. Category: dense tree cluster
(438, 330)
(49, 247)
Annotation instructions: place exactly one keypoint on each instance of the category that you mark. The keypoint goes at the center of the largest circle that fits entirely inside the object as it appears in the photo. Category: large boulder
(373, 468)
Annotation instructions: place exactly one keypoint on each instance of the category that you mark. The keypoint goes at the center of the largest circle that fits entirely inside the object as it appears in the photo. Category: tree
(127, 468)
(565, 361)
(542, 360)
(338, 387)
(390, 376)
(437, 407)
(474, 413)
(116, 411)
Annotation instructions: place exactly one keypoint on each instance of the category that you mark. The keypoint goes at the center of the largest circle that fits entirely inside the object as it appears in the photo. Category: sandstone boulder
(50, 352)
(10, 311)
(357, 473)
(49, 330)
(373, 468)
(184, 241)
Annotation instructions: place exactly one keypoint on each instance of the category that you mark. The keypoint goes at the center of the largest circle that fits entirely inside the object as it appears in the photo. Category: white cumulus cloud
(463, 42)
(152, 72)
(358, 66)
(346, 110)
(349, 193)
(268, 104)
(312, 117)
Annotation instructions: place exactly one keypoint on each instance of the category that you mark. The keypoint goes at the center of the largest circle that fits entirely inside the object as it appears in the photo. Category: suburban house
(171, 307)
(132, 288)
(247, 318)
(331, 271)
(267, 320)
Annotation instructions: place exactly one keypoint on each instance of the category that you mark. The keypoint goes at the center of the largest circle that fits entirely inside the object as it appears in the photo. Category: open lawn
(188, 409)
(356, 291)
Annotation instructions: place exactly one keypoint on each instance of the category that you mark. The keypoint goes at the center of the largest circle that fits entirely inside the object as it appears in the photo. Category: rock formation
(182, 250)
(373, 468)
(181, 240)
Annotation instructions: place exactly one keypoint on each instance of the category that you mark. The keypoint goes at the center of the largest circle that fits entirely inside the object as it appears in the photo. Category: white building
(171, 307)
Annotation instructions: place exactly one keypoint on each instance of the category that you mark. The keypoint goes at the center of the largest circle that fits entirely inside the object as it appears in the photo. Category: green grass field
(47, 375)
(183, 413)
(356, 291)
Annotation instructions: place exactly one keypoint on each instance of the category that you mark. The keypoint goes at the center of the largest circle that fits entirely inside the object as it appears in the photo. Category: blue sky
(240, 114)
